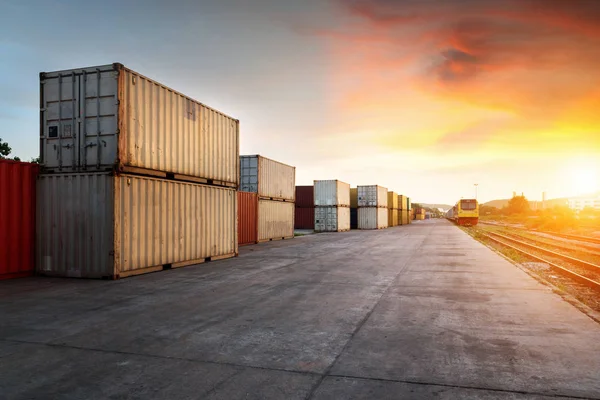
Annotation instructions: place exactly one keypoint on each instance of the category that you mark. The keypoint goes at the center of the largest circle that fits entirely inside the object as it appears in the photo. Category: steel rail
(587, 281)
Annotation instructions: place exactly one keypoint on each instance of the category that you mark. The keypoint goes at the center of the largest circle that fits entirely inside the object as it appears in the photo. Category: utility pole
(476, 184)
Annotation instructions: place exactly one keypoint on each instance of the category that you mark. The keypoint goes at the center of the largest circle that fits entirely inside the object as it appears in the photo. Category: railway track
(586, 239)
(518, 246)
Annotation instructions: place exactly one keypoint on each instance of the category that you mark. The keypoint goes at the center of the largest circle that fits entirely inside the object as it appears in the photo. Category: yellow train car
(466, 212)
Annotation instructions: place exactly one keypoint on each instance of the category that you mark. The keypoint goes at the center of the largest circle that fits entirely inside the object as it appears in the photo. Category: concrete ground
(420, 311)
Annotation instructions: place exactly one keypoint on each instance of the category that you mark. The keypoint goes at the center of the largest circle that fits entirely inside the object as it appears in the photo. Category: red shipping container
(17, 218)
(247, 214)
(305, 196)
(304, 218)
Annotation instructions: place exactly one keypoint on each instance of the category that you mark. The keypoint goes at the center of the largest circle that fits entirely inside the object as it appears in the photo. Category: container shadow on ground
(413, 311)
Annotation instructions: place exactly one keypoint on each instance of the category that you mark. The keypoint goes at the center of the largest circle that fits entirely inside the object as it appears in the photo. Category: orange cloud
(532, 60)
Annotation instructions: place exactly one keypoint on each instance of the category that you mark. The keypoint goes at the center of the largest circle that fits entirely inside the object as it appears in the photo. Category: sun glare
(584, 177)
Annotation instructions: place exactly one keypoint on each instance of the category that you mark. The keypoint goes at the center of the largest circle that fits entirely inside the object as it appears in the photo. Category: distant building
(579, 203)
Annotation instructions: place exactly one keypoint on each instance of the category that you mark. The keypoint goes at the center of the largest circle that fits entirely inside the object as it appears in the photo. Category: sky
(424, 97)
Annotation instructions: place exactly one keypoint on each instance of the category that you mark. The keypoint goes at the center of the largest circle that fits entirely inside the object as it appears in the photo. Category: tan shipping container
(96, 225)
(275, 220)
(270, 179)
(393, 216)
(372, 218)
(110, 117)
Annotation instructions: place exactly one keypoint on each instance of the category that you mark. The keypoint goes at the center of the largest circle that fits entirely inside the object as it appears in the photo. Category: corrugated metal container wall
(17, 218)
(247, 217)
(408, 204)
(372, 196)
(399, 217)
(405, 217)
(270, 179)
(403, 202)
(392, 200)
(128, 120)
(275, 220)
(305, 196)
(332, 193)
(332, 219)
(304, 218)
(372, 217)
(393, 217)
(97, 225)
(354, 198)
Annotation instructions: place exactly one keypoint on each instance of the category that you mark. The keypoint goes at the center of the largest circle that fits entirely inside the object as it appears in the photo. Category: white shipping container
(332, 193)
(332, 219)
(372, 196)
(99, 118)
(100, 226)
(372, 217)
(270, 179)
(275, 220)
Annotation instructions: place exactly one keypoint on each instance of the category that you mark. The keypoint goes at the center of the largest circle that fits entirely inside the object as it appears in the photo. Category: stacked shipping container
(403, 200)
(137, 177)
(332, 206)
(372, 207)
(17, 218)
(274, 183)
(304, 217)
(393, 209)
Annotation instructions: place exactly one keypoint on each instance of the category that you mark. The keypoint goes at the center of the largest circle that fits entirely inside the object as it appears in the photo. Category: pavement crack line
(363, 321)
(173, 358)
(448, 385)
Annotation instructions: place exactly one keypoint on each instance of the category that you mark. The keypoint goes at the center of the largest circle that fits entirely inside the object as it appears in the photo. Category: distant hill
(442, 206)
(533, 204)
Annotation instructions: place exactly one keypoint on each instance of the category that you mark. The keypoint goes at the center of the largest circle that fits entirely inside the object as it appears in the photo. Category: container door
(99, 107)
(59, 122)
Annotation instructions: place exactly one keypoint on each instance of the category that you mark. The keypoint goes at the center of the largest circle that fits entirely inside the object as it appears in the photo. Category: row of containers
(363, 207)
(136, 177)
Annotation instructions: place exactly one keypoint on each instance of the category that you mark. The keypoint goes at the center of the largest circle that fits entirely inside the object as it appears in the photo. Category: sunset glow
(426, 97)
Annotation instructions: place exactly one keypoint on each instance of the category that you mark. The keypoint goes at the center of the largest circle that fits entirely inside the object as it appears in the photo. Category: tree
(488, 210)
(5, 150)
(518, 205)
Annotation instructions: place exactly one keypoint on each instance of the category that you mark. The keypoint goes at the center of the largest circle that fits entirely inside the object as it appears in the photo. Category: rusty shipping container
(275, 220)
(105, 117)
(247, 217)
(332, 193)
(372, 218)
(269, 178)
(372, 196)
(97, 225)
(305, 196)
(304, 218)
(17, 218)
